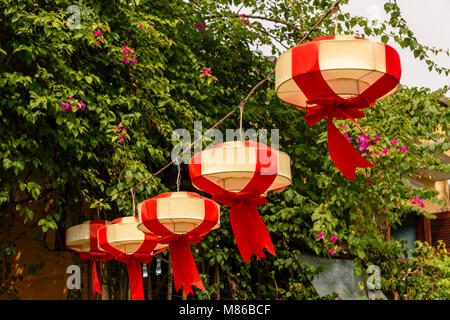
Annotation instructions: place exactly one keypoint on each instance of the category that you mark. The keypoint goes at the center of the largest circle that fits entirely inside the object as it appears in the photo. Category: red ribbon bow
(95, 257)
(345, 157)
(307, 75)
(134, 271)
(247, 224)
(185, 272)
(142, 255)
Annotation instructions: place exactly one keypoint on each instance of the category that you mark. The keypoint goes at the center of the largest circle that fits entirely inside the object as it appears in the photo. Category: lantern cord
(331, 10)
(178, 175)
(132, 201)
(240, 106)
(336, 22)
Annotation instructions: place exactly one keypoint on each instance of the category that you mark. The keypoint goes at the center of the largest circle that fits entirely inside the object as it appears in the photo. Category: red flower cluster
(329, 244)
(72, 102)
(129, 56)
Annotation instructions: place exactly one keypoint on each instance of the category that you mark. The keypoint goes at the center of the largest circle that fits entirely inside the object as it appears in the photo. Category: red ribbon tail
(250, 231)
(345, 157)
(185, 272)
(135, 276)
(95, 283)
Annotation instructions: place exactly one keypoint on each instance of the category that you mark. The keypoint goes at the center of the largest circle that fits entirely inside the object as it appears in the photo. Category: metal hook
(132, 200)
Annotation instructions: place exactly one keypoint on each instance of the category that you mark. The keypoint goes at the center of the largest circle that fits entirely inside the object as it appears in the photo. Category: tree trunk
(217, 280)
(169, 280)
(149, 282)
(89, 268)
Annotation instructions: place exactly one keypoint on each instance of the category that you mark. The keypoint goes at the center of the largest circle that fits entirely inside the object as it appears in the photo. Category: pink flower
(242, 15)
(140, 26)
(121, 138)
(97, 33)
(417, 200)
(347, 136)
(66, 107)
(406, 297)
(200, 25)
(394, 142)
(404, 149)
(246, 21)
(208, 70)
(384, 151)
(124, 131)
(133, 61)
(333, 238)
(119, 127)
(82, 105)
(319, 235)
(377, 138)
(125, 60)
(331, 251)
(214, 79)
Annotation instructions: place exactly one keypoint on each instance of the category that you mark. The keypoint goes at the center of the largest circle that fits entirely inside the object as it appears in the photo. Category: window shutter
(440, 229)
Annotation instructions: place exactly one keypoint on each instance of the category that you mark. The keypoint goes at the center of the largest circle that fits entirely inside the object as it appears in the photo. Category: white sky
(429, 20)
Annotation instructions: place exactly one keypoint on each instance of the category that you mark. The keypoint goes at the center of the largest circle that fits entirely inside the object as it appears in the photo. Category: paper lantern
(336, 77)
(127, 244)
(180, 218)
(82, 238)
(238, 174)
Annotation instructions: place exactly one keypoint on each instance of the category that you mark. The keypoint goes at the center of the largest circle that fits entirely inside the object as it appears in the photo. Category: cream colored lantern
(238, 174)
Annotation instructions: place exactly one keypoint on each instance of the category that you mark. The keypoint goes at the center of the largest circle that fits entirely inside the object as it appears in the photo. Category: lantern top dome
(123, 235)
(342, 65)
(232, 165)
(78, 237)
(177, 212)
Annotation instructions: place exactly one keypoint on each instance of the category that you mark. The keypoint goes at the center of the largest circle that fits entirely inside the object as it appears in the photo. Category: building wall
(48, 283)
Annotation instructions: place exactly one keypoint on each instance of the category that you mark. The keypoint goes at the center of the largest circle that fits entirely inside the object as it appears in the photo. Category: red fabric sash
(95, 255)
(345, 157)
(247, 224)
(306, 74)
(185, 272)
(134, 271)
(133, 261)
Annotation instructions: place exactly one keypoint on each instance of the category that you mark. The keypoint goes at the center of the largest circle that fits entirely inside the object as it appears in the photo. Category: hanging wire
(132, 202)
(336, 21)
(241, 133)
(177, 163)
(240, 106)
(320, 21)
